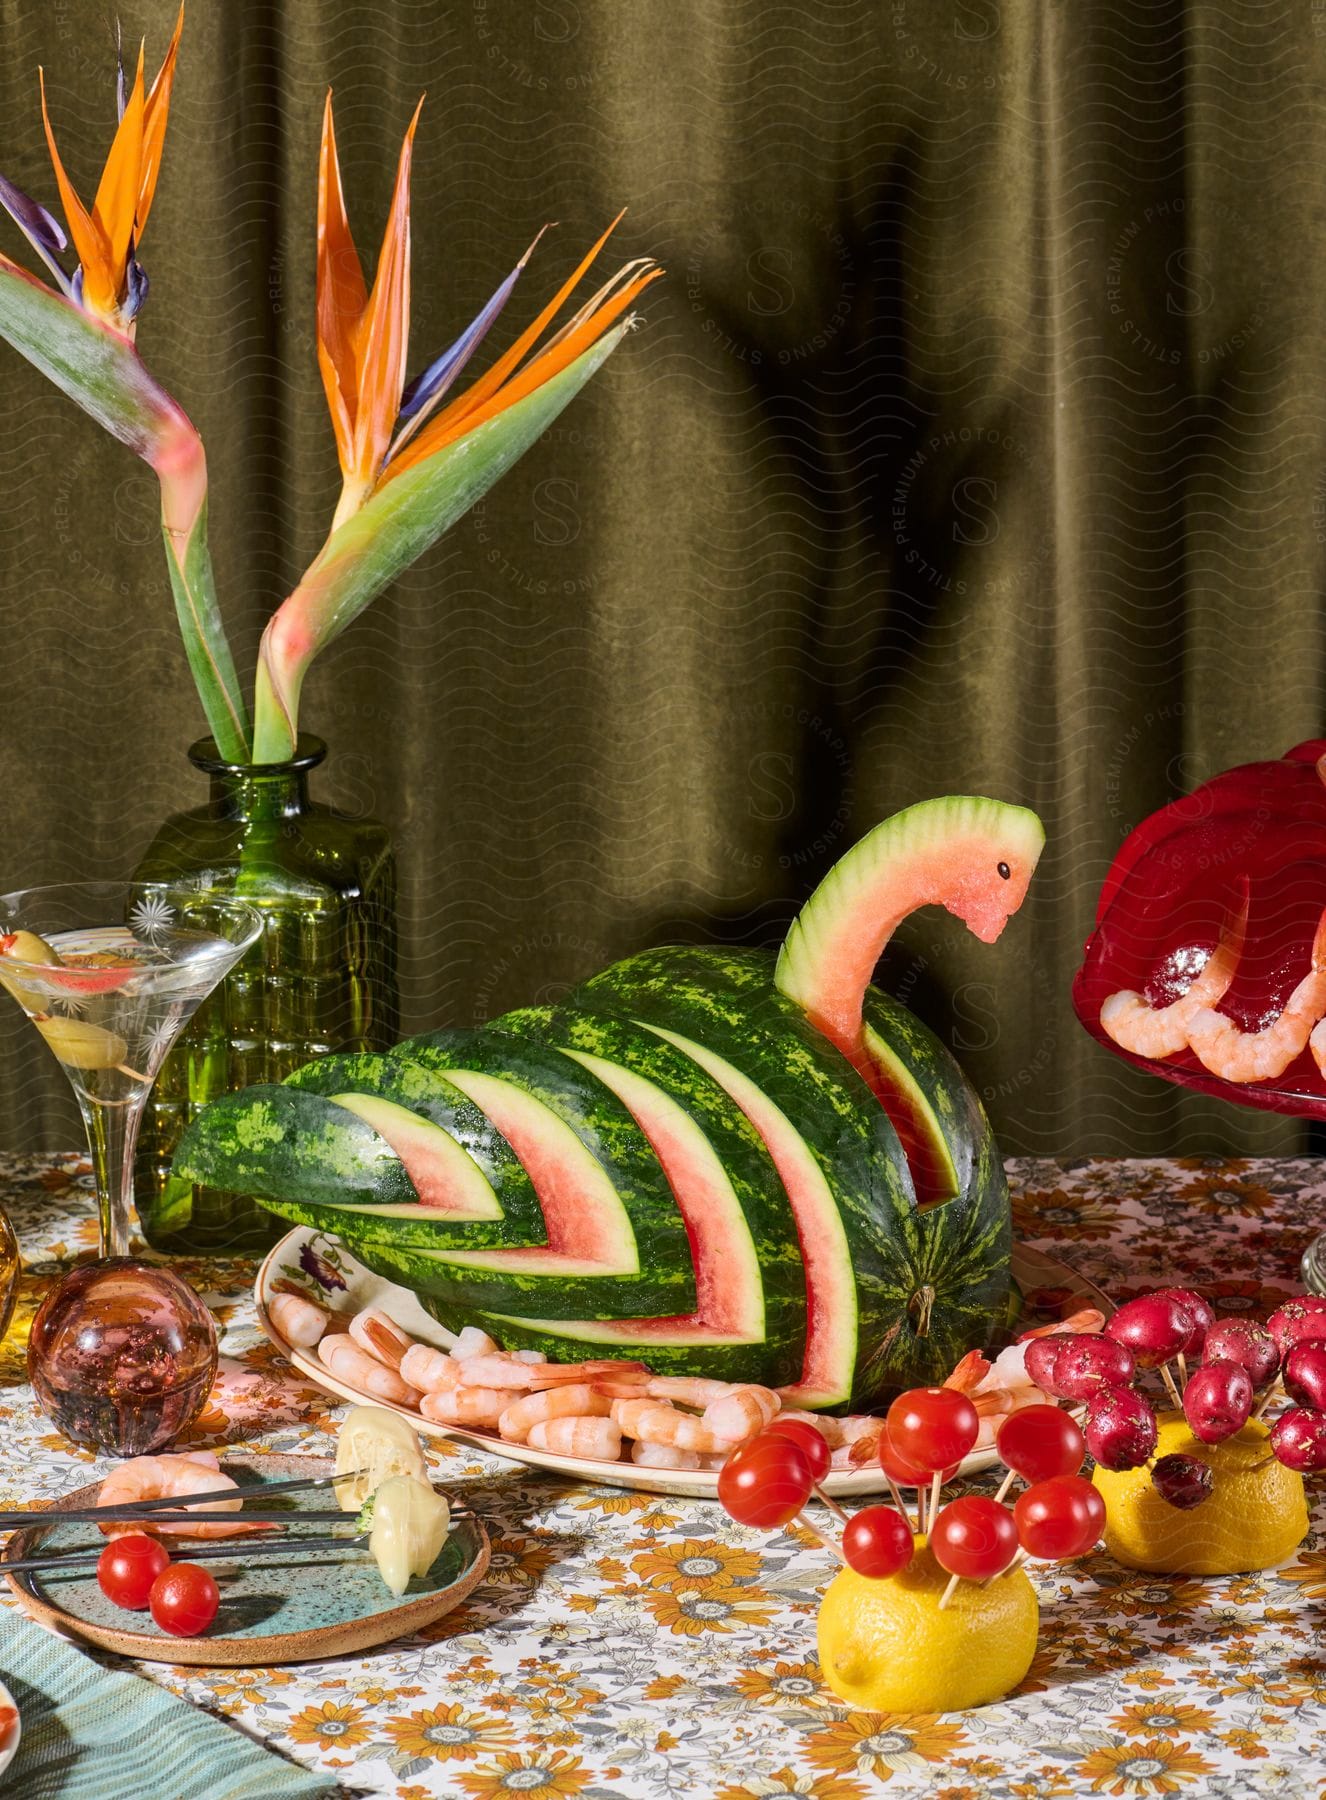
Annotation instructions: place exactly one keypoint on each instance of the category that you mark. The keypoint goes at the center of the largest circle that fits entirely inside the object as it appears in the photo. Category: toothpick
(1183, 1369)
(1016, 1563)
(804, 1521)
(1273, 1392)
(920, 1509)
(832, 1505)
(1174, 1393)
(934, 1494)
(949, 1591)
(1005, 1484)
(902, 1506)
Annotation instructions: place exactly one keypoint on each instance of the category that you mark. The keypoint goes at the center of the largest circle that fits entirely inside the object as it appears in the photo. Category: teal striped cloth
(92, 1733)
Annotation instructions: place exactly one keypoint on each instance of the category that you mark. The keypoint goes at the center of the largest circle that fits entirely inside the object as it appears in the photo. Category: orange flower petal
(383, 332)
(552, 361)
(155, 113)
(342, 295)
(475, 397)
(100, 285)
(116, 203)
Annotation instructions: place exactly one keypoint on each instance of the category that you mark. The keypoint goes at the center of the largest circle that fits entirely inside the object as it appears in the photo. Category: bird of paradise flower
(414, 455)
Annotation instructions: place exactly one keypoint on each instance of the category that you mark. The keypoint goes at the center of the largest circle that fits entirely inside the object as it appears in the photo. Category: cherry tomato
(767, 1484)
(877, 1541)
(1040, 1441)
(933, 1426)
(184, 1599)
(974, 1537)
(128, 1566)
(809, 1441)
(1060, 1518)
(904, 1473)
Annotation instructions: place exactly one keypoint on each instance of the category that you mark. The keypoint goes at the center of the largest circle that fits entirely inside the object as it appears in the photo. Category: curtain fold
(974, 443)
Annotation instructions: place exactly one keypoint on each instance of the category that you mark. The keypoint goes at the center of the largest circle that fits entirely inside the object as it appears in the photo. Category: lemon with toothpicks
(1254, 1516)
(886, 1646)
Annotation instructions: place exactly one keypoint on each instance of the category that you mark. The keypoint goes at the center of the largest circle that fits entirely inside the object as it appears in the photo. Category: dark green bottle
(321, 977)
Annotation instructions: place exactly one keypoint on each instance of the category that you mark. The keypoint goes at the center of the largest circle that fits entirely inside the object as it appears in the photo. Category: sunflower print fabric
(626, 1647)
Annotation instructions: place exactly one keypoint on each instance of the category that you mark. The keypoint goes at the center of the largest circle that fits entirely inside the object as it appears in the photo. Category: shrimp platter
(614, 1418)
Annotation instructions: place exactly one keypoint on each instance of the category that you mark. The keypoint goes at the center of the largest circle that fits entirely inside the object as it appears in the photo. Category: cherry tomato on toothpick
(933, 1426)
(1037, 1442)
(974, 1537)
(184, 1599)
(128, 1566)
(766, 1484)
(904, 1473)
(1059, 1519)
(877, 1541)
(809, 1441)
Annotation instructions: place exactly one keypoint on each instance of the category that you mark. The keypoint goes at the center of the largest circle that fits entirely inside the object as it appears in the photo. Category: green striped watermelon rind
(739, 1151)
(947, 1268)
(424, 1090)
(609, 1134)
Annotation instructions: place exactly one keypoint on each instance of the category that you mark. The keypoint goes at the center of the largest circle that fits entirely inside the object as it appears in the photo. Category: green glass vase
(321, 977)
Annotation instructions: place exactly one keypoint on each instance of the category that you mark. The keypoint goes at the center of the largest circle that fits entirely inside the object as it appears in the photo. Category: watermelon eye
(1005, 872)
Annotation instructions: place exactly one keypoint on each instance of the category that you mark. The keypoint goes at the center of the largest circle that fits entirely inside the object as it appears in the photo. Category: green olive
(82, 1046)
(26, 946)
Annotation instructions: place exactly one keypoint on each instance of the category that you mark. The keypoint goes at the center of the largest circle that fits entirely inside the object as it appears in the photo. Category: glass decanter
(122, 1353)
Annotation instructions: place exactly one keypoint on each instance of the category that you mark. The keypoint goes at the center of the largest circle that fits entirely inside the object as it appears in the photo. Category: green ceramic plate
(274, 1609)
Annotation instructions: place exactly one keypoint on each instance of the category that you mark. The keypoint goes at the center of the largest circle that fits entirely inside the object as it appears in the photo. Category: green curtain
(974, 442)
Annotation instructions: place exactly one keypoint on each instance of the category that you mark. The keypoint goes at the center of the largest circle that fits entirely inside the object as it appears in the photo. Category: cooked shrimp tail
(1161, 1031)
(1222, 1046)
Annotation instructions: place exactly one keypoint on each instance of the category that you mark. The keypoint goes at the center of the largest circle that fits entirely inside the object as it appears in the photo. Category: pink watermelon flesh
(444, 1177)
(948, 852)
(829, 1360)
(729, 1289)
(1173, 885)
(588, 1230)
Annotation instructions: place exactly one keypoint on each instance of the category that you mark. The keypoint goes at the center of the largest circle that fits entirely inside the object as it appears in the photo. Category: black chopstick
(196, 1553)
(135, 1509)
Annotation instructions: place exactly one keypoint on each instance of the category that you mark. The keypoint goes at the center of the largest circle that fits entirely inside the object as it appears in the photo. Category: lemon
(886, 1646)
(1254, 1517)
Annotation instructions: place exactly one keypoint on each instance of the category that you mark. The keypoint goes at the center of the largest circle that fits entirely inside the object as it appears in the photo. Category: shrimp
(655, 1422)
(857, 1426)
(1161, 1031)
(426, 1368)
(1220, 1045)
(343, 1357)
(663, 1456)
(503, 1371)
(380, 1336)
(831, 1430)
(473, 1342)
(596, 1438)
(165, 1477)
(298, 1320)
(465, 1406)
(741, 1412)
(576, 1400)
(859, 1454)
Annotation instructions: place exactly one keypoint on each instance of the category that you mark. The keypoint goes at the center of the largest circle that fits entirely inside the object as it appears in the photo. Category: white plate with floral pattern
(312, 1263)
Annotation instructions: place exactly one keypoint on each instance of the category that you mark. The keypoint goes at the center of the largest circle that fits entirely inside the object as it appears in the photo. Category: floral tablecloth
(624, 1646)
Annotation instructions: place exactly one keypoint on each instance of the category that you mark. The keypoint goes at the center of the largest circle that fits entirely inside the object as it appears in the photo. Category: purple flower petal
(427, 389)
(42, 230)
(121, 91)
(138, 286)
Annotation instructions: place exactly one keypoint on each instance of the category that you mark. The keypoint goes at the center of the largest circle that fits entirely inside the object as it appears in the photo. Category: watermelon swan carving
(716, 1162)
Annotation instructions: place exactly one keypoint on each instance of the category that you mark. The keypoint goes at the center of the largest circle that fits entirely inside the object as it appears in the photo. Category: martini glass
(122, 1353)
